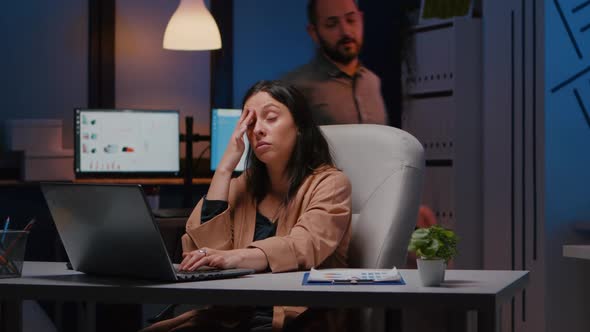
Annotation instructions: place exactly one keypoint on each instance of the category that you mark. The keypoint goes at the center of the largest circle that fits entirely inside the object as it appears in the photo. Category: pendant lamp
(192, 28)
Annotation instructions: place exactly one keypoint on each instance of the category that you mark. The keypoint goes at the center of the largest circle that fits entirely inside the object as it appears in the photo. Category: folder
(353, 277)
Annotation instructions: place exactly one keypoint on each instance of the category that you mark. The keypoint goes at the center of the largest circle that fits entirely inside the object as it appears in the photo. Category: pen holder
(12, 253)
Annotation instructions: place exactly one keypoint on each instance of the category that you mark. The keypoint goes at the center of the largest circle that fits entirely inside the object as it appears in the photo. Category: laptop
(109, 230)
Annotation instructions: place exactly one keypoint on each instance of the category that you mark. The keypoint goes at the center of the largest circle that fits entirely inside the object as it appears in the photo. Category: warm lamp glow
(192, 28)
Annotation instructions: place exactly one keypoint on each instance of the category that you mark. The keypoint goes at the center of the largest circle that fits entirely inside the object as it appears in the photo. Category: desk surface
(462, 289)
(577, 251)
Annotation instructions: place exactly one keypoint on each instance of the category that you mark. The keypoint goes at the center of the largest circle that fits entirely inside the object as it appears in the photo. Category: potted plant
(434, 247)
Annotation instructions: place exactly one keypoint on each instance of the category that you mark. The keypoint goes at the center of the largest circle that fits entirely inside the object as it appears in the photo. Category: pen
(7, 263)
(12, 244)
(6, 223)
(27, 228)
(5, 257)
(18, 237)
(353, 281)
(29, 225)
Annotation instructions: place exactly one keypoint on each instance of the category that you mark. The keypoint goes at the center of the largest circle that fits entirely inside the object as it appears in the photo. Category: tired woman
(289, 210)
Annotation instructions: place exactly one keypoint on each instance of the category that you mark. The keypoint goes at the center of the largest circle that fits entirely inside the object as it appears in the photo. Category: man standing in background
(338, 87)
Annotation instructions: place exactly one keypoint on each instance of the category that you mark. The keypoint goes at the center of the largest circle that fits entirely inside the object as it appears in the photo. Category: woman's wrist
(229, 161)
(224, 170)
(254, 258)
(219, 187)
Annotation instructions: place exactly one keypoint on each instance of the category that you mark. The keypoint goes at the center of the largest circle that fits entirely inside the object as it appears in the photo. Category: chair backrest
(385, 166)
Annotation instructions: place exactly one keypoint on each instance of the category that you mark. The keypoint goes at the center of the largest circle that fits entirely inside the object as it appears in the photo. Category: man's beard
(335, 54)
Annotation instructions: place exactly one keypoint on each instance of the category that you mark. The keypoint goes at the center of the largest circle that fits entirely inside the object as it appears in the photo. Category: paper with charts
(354, 275)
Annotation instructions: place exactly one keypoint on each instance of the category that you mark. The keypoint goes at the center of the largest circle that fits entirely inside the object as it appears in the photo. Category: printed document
(354, 275)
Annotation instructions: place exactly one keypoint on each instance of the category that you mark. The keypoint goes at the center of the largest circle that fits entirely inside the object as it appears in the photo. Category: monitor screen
(126, 143)
(223, 123)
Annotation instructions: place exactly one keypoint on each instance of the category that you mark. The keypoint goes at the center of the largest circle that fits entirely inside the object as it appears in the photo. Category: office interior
(514, 115)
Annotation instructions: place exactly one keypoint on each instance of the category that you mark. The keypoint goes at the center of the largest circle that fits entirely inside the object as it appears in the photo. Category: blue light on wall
(567, 107)
(568, 56)
(269, 40)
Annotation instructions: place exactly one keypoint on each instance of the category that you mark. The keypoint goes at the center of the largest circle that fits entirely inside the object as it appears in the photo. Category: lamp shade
(192, 28)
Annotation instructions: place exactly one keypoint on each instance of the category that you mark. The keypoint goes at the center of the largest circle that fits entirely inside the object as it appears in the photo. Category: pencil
(6, 223)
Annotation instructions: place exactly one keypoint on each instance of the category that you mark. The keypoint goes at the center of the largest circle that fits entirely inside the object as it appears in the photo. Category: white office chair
(385, 166)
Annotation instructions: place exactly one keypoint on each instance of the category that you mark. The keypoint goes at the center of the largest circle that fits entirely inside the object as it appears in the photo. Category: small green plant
(435, 242)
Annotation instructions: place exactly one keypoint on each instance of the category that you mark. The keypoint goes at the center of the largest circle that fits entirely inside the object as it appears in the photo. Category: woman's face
(272, 133)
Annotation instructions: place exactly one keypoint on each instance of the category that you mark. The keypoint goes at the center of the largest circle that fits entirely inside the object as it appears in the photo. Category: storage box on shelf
(44, 158)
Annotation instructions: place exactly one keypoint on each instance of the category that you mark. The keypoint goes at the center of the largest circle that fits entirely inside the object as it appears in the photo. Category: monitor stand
(189, 138)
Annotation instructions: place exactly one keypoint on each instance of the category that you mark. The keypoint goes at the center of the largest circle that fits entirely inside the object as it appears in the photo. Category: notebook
(109, 230)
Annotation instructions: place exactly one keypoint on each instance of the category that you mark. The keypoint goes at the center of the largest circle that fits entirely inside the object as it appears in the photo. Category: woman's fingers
(243, 125)
(244, 114)
(207, 257)
(250, 117)
(246, 121)
(189, 261)
(239, 137)
(216, 260)
(203, 261)
(246, 118)
(241, 128)
(186, 261)
(242, 121)
(191, 257)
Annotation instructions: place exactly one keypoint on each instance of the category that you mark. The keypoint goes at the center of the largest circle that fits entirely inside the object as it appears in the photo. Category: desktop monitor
(223, 123)
(126, 143)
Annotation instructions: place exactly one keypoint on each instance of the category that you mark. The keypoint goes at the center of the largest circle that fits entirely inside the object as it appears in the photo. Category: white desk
(577, 251)
(483, 291)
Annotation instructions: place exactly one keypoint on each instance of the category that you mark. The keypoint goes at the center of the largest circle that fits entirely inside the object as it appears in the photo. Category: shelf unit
(442, 108)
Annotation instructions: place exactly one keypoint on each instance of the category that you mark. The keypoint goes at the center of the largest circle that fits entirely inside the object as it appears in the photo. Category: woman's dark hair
(311, 149)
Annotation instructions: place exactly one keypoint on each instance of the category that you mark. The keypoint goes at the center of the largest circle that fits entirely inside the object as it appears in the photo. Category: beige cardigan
(313, 231)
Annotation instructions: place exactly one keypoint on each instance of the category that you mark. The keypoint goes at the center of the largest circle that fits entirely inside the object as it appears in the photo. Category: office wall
(513, 154)
(536, 156)
(269, 40)
(148, 76)
(44, 61)
(567, 162)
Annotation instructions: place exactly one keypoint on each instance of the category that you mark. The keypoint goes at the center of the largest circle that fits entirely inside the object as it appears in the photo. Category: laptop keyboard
(210, 274)
(198, 275)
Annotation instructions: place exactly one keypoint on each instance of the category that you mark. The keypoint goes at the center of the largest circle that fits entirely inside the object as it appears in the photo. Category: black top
(264, 227)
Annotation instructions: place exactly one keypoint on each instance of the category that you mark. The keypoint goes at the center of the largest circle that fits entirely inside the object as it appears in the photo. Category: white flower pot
(432, 271)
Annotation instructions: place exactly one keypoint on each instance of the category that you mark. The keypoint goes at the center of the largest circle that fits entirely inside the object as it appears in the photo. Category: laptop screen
(109, 230)
(223, 123)
(117, 142)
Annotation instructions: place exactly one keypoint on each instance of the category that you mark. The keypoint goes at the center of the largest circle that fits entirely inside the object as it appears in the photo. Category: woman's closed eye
(271, 116)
